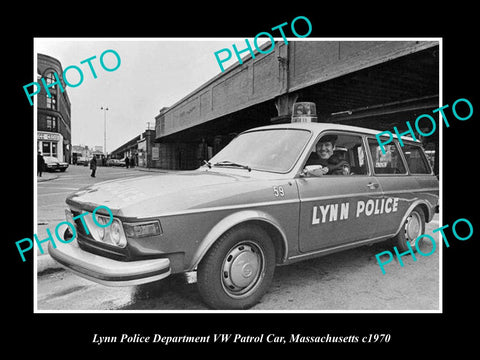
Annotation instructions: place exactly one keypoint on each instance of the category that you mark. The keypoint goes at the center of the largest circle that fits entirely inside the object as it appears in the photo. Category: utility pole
(105, 109)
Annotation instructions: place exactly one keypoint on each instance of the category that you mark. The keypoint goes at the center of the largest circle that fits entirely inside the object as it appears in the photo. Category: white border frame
(35, 191)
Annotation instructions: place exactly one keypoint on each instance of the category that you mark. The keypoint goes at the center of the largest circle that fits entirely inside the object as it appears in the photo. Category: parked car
(52, 164)
(116, 162)
(83, 161)
(255, 205)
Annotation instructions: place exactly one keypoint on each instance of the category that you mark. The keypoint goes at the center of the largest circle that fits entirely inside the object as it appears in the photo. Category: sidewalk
(46, 176)
(140, 168)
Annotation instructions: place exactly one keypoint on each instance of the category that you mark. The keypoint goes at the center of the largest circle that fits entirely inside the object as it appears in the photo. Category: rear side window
(388, 163)
(416, 160)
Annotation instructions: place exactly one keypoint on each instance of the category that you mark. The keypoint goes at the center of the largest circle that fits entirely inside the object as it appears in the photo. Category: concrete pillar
(217, 144)
(284, 104)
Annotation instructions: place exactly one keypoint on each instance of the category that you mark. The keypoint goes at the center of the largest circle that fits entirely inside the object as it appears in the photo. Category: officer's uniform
(335, 165)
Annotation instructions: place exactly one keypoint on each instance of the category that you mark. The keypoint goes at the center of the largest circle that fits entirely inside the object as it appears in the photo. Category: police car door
(332, 206)
(397, 186)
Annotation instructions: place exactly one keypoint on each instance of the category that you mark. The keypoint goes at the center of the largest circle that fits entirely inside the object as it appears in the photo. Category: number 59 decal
(278, 191)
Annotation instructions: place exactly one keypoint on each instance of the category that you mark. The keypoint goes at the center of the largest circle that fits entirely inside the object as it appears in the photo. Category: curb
(43, 179)
(151, 169)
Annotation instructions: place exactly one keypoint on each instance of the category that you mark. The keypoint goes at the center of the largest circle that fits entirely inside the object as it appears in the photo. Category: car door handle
(372, 186)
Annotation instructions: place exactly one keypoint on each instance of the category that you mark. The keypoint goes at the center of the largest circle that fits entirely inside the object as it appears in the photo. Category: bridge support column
(284, 104)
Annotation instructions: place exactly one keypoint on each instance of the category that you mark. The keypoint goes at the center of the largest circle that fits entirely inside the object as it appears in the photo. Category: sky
(153, 73)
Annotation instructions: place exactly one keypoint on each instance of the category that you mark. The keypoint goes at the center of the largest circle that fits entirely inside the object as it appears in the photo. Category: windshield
(268, 150)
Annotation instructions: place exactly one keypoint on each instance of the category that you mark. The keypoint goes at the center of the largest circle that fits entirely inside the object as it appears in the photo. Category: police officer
(324, 156)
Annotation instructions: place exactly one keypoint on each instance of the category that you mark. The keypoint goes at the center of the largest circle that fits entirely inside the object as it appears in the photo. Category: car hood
(154, 195)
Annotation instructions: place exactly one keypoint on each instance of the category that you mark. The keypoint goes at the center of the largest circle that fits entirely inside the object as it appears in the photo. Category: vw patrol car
(258, 203)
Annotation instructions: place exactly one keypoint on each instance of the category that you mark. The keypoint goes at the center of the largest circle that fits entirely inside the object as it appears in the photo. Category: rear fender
(427, 208)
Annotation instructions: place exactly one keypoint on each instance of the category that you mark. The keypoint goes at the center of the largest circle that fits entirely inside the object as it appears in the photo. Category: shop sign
(48, 136)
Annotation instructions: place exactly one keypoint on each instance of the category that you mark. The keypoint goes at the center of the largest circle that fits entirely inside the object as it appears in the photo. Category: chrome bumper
(107, 271)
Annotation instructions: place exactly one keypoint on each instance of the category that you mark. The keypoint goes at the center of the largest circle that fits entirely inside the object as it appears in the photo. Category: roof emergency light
(304, 112)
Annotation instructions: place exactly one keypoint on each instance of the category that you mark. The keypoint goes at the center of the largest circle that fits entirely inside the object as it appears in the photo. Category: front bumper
(108, 271)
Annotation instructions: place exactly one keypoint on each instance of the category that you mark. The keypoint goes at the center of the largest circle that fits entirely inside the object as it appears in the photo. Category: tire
(411, 229)
(238, 269)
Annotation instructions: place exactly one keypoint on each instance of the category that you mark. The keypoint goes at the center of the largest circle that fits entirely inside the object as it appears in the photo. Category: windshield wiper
(230, 163)
(205, 162)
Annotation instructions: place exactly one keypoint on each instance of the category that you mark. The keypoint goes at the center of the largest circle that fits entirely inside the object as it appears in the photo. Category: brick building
(53, 113)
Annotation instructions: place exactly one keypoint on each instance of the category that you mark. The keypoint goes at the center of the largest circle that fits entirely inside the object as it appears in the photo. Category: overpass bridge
(377, 84)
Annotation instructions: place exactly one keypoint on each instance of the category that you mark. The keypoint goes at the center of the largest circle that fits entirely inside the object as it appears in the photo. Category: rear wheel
(238, 269)
(412, 228)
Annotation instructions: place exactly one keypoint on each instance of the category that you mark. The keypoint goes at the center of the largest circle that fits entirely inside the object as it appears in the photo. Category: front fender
(230, 221)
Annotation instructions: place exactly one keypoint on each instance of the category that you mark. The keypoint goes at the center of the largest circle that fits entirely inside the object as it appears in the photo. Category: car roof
(319, 127)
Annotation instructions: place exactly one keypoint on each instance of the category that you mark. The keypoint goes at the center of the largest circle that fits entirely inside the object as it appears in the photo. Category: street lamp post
(105, 109)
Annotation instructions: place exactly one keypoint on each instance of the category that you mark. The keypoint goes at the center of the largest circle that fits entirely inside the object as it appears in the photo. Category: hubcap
(413, 228)
(242, 269)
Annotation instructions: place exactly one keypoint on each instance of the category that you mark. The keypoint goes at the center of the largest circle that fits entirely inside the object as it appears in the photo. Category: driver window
(337, 154)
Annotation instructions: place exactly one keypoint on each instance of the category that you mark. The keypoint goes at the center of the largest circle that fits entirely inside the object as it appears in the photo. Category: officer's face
(325, 150)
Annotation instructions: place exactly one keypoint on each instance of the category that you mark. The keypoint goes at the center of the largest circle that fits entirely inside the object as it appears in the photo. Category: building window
(51, 100)
(46, 148)
(51, 123)
(49, 148)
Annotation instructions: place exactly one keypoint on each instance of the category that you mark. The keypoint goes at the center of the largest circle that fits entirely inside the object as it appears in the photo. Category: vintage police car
(260, 202)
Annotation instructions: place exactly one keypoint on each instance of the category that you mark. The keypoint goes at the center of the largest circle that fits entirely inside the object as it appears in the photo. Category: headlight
(116, 234)
(101, 230)
(110, 230)
(137, 230)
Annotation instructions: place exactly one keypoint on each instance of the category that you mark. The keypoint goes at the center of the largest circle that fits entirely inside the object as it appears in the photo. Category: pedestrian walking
(127, 162)
(40, 164)
(93, 166)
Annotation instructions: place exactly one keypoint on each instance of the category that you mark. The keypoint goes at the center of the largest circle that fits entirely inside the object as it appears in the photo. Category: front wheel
(238, 269)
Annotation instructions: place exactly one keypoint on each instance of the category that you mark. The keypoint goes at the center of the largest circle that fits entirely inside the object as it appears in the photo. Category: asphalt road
(350, 280)
(51, 194)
